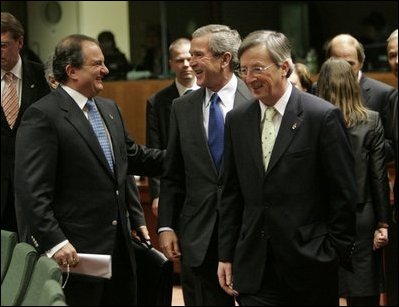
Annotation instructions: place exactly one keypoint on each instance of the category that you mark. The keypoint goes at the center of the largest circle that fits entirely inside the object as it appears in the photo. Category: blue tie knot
(90, 104)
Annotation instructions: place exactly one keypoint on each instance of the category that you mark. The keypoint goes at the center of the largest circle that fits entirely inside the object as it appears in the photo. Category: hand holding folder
(92, 264)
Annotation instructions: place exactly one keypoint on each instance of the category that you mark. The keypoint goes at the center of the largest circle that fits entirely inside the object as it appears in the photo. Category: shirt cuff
(50, 253)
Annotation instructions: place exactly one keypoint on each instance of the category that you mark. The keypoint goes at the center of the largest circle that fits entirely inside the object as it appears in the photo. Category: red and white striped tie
(9, 102)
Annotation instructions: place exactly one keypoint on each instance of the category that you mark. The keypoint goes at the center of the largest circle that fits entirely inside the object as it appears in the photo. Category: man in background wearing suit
(287, 212)
(31, 85)
(377, 96)
(72, 160)
(159, 104)
(192, 182)
(391, 255)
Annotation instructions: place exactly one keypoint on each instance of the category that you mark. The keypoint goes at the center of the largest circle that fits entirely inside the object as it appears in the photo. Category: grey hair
(276, 43)
(394, 35)
(222, 39)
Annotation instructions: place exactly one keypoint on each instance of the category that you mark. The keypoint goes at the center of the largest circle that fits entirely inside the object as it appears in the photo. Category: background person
(160, 104)
(376, 95)
(338, 84)
(116, 62)
(30, 85)
(301, 78)
(391, 255)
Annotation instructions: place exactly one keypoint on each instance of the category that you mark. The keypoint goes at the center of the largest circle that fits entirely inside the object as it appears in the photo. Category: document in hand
(93, 265)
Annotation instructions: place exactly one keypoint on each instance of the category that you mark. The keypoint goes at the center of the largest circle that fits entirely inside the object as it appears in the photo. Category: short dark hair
(12, 25)
(69, 52)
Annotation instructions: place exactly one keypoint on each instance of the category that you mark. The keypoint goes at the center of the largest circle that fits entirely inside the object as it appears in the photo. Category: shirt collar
(226, 93)
(182, 89)
(281, 104)
(16, 70)
(76, 96)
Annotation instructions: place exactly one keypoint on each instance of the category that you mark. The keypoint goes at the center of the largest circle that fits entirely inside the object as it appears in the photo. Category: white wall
(98, 16)
(83, 17)
(43, 36)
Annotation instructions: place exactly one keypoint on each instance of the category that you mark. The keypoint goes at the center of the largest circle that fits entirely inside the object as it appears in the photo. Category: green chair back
(52, 293)
(44, 269)
(8, 242)
(18, 274)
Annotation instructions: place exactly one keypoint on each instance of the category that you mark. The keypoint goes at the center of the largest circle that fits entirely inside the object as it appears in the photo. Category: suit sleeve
(231, 206)
(153, 141)
(173, 180)
(134, 208)
(338, 166)
(378, 175)
(35, 176)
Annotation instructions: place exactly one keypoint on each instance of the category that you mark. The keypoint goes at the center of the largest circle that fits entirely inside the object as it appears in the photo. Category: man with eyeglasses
(192, 181)
(287, 213)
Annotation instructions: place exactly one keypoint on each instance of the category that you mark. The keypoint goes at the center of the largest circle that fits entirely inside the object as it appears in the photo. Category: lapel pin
(110, 116)
(294, 126)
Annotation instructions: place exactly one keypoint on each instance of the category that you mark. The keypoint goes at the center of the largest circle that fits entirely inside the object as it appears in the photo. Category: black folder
(154, 276)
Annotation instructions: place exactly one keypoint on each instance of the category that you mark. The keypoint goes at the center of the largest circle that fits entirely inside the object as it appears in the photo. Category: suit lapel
(252, 125)
(77, 119)
(290, 124)
(365, 90)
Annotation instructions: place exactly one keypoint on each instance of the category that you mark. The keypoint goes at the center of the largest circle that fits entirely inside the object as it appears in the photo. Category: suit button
(114, 223)
(262, 233)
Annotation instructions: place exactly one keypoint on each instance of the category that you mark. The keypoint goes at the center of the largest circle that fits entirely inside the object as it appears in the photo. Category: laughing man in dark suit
(191, 186)
(71, 182)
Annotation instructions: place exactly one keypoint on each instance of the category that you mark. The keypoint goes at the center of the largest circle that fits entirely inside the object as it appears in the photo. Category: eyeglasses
(254, 71)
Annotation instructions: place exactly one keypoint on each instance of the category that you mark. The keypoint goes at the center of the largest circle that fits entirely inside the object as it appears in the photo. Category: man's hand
(140, 232)
(380, 238)
(225, 275)
(67, 255)
(169, 245)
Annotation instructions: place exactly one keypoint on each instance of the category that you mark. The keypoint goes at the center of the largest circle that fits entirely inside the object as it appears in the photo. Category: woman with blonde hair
(337, 83)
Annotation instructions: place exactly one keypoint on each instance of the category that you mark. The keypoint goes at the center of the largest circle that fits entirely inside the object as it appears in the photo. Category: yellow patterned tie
(9, 102)
(268, 135)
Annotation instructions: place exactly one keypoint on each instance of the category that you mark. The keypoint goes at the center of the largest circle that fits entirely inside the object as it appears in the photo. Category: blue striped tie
(216, 131)
(99, 129)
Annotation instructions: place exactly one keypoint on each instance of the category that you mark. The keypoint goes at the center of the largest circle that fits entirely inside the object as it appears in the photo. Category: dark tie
(216, 131)
(99, 129)
(187, 91)
(10, 102)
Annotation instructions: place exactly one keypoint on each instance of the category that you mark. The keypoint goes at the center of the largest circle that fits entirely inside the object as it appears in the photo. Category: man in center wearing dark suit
(287, 214)
(192, 183)
(72, 159)
(159, 104)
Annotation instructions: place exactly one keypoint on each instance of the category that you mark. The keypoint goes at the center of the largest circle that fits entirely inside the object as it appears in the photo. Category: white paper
(93, 265)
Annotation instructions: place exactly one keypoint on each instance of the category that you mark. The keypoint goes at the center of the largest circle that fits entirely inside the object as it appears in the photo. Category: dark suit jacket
(157, 115)
(64, 189)
(303, 206)
(367, 141)
(378, 97)
(34, 87)
(191, 185)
